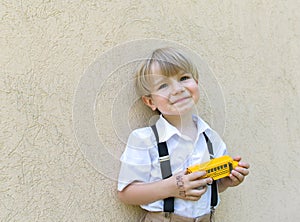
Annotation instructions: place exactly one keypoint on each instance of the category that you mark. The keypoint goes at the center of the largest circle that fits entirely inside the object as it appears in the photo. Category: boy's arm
(236, 177)
(184, 186)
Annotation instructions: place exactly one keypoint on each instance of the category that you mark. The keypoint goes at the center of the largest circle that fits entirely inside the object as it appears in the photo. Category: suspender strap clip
(164, 158)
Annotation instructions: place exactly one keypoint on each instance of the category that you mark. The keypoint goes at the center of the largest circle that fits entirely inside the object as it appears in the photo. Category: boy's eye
(161, 86)
(184, 78)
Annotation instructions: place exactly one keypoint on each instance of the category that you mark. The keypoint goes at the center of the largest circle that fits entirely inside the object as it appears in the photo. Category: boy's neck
(184, 124)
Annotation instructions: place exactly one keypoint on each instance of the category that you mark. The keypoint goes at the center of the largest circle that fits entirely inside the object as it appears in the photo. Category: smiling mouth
(180, 100)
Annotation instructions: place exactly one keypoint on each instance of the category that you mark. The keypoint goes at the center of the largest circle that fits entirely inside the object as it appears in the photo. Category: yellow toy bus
(216, 168)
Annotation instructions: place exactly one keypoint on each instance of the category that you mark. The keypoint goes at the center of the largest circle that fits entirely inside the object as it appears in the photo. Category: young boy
(168, 83)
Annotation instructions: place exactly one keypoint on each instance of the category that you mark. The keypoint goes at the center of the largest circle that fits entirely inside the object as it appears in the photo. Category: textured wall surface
(251, 47)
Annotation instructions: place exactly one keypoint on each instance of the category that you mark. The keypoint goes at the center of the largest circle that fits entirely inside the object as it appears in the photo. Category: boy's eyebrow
(183, 72)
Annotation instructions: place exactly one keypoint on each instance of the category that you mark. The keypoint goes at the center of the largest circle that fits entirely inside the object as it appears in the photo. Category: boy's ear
(149, 102)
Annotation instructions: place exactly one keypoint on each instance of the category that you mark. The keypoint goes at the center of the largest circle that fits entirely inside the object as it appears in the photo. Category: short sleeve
(136, 159)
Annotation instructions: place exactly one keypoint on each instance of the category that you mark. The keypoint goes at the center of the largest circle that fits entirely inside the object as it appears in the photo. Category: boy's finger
(244, 165)
(237, 158)
(200, 184)
(196, 175)
(242, 170)
(240, 177)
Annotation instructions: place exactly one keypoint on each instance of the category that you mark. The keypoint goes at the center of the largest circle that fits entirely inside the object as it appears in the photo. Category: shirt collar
(201, 124)
(166, 130)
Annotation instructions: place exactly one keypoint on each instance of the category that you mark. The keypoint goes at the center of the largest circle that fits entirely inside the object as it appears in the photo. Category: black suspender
(166, 171)
(165, 168)
(214, 192)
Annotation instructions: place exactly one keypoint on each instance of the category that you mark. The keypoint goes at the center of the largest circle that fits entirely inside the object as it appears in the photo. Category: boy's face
(174, 95)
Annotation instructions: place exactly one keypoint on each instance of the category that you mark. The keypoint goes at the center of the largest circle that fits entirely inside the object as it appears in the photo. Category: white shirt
(139, 162)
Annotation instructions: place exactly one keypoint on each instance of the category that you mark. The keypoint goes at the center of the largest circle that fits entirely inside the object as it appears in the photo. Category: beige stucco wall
(251, 49)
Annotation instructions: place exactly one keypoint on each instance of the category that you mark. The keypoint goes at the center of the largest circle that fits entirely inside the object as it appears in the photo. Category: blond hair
(170, 61)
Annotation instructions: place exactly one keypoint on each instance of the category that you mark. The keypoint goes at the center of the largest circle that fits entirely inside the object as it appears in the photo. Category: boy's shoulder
(143, 137)
(143, 131)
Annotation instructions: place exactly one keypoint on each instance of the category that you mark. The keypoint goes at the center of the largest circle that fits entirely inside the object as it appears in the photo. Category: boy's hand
(190, 186)
(237, 175)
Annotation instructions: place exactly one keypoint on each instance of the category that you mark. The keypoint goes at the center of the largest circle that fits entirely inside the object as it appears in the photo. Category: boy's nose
(177, 87)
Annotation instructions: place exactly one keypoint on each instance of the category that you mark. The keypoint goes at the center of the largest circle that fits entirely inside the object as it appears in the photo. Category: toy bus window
(221, 167)
(208, 171)
(215, 169)
(225, 165)
(230, 166)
